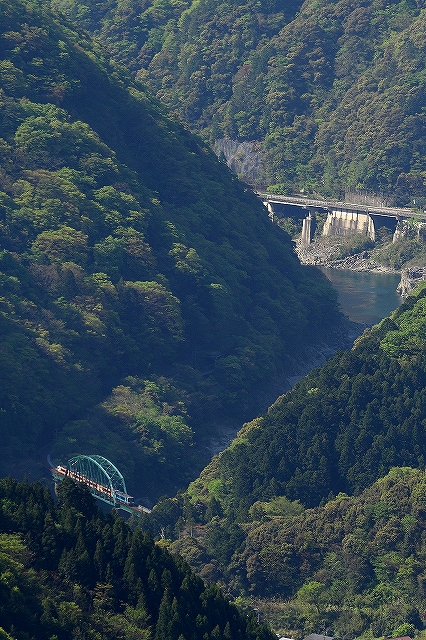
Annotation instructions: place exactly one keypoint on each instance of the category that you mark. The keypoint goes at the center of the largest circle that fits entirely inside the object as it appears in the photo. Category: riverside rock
(410, 278)
(327, 255)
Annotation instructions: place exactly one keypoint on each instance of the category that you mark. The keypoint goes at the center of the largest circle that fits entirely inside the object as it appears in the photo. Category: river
(365, 297)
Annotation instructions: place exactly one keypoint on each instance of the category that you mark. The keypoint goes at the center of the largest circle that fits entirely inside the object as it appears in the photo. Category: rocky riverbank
(326, 253)
(410, 278)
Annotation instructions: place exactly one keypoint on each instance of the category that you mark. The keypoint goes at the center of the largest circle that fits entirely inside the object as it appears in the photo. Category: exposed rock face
(361, 262)
(244, 158)
(326, 255)
(410, 278)
(317, 253)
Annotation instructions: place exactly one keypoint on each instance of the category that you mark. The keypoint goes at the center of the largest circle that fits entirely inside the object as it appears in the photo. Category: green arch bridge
(104, 480)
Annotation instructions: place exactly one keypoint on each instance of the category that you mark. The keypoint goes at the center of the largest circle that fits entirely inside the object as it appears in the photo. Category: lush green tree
(64, 594)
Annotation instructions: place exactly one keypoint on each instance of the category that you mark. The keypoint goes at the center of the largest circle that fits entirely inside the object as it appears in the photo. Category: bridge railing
(302, 201)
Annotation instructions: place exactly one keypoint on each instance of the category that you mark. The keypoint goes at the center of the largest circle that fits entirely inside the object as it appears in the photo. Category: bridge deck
(336, 205)
(115, 498)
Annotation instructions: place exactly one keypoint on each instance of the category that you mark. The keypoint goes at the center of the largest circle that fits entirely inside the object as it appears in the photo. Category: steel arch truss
(100, 475)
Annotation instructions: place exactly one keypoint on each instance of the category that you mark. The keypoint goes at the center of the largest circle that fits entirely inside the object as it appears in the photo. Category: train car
(124, 498)
(61, 470)
(101, 491)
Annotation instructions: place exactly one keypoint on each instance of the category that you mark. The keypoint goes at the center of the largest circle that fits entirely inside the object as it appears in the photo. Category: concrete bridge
(343, 218)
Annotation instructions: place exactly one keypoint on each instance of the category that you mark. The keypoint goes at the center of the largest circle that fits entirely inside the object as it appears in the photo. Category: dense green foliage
(131, 259)
(68, 572)
(342, 427)
(145, 296)
(355, 566)
(333, 90)
(407, 251)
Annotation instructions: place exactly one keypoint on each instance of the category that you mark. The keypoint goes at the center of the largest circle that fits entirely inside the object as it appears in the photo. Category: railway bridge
(103, 479)
(343, 218)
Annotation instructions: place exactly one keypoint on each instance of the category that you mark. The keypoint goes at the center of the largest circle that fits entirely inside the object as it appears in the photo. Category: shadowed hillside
(146, 298)
(333, 91)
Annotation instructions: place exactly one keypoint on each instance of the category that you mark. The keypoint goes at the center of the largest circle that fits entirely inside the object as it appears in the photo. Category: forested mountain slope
(131, 259)
(354, 567)
(334, 91)
(69, 572)
(342, 427)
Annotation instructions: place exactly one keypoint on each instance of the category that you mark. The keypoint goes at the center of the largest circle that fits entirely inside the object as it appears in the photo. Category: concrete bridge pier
(346, 218)
(307, 230)
(270, 208)
(401, 230)
(309, 223)
(344, 223)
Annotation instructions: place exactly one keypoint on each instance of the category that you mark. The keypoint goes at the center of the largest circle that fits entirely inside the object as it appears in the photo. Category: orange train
(102, 489)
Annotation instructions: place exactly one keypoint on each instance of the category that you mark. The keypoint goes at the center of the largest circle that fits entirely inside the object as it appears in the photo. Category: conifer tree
(164, 622)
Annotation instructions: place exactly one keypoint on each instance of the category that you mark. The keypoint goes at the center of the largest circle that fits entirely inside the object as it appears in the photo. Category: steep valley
(152, 314)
